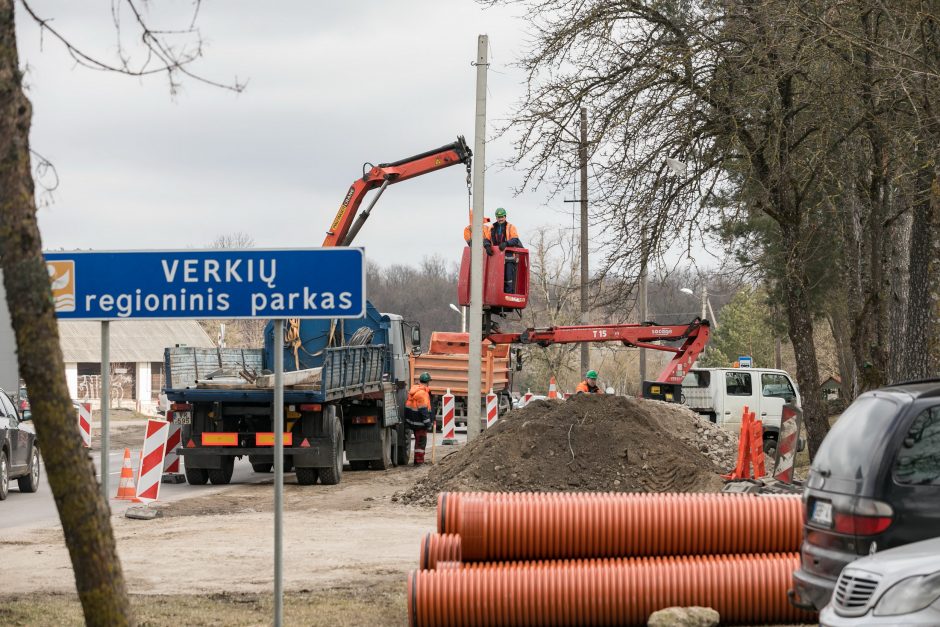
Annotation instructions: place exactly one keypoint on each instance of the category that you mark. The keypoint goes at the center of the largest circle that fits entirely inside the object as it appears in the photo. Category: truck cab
(721, 394)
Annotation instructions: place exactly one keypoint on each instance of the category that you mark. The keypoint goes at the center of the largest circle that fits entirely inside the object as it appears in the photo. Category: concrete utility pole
(476, 246)
(644, 308)
(585, 275)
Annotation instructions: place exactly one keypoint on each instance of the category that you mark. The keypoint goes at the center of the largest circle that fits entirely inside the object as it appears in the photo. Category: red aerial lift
(668, 385)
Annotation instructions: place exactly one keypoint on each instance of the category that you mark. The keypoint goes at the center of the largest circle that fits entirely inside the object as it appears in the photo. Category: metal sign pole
(278, 472)
(105, 405)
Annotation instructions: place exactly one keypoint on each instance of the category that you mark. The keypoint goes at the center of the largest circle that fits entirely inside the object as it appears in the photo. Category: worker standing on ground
(504, 235)
(418, 414)
(589, 385)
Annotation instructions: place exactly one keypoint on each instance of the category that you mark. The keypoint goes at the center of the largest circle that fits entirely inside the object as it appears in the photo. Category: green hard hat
(591, 374)
(425, 377)
(500, 213)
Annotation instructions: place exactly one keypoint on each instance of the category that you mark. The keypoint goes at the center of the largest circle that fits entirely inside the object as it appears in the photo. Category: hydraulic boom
(646, 335)
(343, 230)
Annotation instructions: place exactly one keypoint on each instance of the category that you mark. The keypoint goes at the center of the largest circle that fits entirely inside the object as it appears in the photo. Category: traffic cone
(127, 488)
(552, 389)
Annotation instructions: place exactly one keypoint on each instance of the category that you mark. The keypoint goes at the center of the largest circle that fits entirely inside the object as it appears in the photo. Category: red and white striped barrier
(151, 461)
(526, 397)
(552, 388)
(567, 395)
(84, 423)
(171, 461)
(492, 409)
(787, 441)
(448, 429)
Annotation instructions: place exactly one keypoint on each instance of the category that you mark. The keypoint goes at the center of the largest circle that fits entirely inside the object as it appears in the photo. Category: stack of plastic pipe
(605, 559)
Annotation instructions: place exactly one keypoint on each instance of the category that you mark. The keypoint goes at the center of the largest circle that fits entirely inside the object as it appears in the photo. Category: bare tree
(777, 113)
(84, 513)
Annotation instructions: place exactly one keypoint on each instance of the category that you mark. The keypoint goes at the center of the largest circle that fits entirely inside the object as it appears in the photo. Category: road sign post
(211, 284)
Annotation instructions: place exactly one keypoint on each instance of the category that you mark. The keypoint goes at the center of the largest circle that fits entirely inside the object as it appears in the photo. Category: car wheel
(4, 476)
(30, 483)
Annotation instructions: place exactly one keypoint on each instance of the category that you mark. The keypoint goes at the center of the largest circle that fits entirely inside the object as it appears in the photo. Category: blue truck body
(349, 405)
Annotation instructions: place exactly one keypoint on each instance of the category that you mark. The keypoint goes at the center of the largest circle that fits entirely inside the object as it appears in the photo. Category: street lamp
(463, 316)
(706, 302)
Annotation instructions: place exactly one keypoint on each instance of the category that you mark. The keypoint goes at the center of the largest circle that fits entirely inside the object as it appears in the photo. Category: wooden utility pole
(474, 393)
(585, 275)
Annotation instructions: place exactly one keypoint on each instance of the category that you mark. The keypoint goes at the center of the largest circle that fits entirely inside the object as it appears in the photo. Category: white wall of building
(71, 378)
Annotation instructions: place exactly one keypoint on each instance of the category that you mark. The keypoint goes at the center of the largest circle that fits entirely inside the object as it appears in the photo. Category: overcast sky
(331, 85)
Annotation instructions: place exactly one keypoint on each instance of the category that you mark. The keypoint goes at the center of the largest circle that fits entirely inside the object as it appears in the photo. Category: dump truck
(447, 361)
(344, 392)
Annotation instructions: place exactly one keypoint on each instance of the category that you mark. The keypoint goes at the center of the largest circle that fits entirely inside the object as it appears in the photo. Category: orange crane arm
(644, 335)
(343, 230)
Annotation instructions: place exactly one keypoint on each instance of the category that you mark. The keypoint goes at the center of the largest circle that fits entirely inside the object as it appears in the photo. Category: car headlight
(909, 595)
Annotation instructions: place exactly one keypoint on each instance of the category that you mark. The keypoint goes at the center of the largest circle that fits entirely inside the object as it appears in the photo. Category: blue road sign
(745, 361)
(206, 284)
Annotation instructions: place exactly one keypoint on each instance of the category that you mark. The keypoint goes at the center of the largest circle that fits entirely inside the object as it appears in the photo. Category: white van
(723, 393)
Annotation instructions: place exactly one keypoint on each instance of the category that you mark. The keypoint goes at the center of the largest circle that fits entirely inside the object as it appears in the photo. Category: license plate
(182, 418)
(822, 514)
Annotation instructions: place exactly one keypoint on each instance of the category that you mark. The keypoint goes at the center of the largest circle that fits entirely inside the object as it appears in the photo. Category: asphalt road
(38, 509)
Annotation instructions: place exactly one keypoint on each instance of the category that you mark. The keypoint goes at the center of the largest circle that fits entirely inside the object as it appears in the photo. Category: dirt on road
(588, 443)
(350, 537)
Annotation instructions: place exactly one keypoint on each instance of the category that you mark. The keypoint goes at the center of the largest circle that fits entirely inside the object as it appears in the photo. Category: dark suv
(874, 484)
(19, 452)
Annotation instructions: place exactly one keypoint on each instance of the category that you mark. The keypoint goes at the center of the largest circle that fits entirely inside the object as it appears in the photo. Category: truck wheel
(385, 437)
(262, 467)
(404, 445)
(770, 445)
(196, 476)
(30, 483)
(331, 475)
(224, 475)
(307, 476)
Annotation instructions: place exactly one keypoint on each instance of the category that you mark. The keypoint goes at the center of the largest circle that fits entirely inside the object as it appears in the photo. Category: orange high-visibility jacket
(486, 232)
(583, 387)
(419, 396)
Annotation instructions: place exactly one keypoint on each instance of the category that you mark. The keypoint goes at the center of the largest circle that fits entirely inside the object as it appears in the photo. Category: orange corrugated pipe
(439, 547)
(522, 526)
(749, 589)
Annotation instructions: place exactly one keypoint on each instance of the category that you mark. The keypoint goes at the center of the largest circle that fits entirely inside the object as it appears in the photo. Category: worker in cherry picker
(589, 385)
(418, 415)
(504, 235)
(486, 235)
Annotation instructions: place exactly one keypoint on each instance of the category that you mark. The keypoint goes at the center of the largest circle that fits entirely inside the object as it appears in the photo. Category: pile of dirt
(588, 443)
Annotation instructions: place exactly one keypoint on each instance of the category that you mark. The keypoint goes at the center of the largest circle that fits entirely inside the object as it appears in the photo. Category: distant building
(831, 388)
(137, 346)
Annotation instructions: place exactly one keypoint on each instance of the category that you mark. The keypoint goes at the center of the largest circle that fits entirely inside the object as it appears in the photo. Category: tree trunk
(84, 514)
(920, 360)
(801, 336)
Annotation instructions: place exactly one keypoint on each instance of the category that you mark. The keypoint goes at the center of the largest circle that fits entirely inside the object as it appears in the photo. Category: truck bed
(347, 371)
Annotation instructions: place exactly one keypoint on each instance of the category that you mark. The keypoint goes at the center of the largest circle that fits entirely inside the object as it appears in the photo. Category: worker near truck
(589, 385)
(418, 414)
